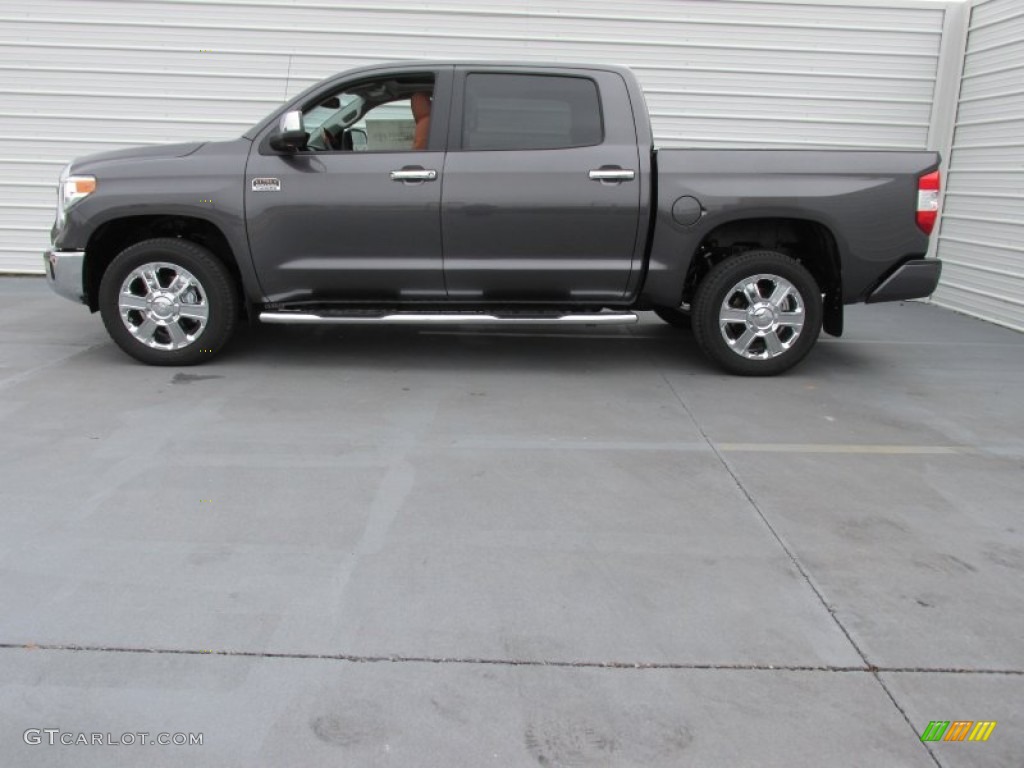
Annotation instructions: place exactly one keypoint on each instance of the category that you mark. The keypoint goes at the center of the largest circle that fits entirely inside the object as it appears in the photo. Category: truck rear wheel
(757, 314)
(168, 302)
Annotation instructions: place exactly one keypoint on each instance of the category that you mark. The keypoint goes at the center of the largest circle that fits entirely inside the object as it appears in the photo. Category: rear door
(541, 195)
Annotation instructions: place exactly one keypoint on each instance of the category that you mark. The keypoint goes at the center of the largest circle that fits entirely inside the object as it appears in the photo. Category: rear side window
(530, 112)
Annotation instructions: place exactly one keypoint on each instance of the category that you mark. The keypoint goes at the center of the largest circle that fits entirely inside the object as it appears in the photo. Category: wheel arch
(808, 241)
(111, 237)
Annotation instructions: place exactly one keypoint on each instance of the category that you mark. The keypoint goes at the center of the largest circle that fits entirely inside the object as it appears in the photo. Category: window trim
(456, 127)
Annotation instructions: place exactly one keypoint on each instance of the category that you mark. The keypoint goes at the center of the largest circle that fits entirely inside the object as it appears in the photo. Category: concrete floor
(394, 546)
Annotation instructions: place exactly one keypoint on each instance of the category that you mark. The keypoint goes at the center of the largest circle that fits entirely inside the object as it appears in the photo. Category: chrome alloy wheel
(163, 306)
(761, 317)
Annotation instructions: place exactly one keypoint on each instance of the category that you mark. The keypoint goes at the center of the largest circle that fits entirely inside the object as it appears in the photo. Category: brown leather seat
(420, 103)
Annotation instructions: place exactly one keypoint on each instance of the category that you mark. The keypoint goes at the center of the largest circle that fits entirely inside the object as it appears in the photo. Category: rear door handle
(414, 174)
(612, 174)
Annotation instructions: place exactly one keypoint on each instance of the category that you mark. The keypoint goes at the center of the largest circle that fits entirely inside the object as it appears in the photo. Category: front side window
(390, 115)
(504, 111)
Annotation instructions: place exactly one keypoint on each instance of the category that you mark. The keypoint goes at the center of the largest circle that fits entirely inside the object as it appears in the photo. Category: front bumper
(64, 273)
(913, 280)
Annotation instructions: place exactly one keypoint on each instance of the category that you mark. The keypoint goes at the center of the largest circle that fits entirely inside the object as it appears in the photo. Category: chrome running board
(449, 318)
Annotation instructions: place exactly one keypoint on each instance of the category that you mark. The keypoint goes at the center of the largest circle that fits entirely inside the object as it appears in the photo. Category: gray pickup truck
(487, 193)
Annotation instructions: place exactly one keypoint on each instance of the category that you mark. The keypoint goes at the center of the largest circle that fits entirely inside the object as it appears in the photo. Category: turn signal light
(928, 201)
(77, 187)
(81, 185)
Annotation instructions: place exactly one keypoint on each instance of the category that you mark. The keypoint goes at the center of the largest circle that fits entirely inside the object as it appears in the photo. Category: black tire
(763, 356)
(210, 289)
(675, 317)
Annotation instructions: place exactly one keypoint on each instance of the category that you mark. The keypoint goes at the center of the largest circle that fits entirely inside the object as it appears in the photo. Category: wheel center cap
(762, 317)
(163, 307)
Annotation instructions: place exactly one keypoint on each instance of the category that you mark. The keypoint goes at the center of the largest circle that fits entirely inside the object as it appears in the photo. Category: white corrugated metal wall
(81, 76)
(981, 239)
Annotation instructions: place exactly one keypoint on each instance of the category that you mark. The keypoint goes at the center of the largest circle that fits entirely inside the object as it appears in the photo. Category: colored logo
(958, 730)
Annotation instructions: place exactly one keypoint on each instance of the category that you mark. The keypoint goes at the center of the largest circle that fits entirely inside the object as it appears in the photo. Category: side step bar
(449, 318)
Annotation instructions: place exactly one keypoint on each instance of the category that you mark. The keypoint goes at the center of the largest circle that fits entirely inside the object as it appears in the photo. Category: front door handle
(612, 174)
(414, 174)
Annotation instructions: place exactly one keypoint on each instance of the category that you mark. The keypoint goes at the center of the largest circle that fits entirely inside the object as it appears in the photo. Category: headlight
(70, 190)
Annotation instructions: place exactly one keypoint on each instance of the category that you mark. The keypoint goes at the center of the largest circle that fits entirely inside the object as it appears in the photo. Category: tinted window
(530, 112)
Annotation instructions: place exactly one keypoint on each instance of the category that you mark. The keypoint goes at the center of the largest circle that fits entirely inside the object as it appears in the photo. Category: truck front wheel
(168, 302)
(757, 314)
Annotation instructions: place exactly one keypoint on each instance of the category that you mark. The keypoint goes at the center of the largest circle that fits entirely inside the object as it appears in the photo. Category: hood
(137, 153)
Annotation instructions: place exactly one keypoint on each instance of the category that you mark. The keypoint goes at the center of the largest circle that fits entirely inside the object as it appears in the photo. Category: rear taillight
(928, 201)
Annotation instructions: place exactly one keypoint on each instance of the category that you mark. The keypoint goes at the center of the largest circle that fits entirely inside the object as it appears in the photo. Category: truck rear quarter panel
(867, 200)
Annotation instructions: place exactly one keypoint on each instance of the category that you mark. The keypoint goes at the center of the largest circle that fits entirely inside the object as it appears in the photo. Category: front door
(541, 194)
(356, 216)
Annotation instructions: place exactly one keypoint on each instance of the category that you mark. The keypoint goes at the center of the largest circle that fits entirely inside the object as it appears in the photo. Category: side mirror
(289, 136)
